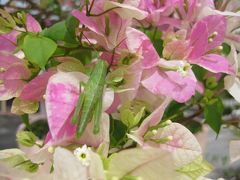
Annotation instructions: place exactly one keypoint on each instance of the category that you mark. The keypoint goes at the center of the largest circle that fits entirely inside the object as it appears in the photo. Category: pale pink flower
(212, 29)
(167, 78)
(108, 30)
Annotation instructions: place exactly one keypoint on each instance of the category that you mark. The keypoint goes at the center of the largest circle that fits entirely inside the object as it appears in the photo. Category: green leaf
(118, 132)
(156, 37)
(63, 31)
(196, 168)
(38, 49)
(71, 24)
(213, 111)
(84, 55)
(26, 138)
(199, 72)
(172, 109)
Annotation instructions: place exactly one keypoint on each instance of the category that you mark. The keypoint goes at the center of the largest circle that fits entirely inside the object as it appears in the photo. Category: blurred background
(216, 148)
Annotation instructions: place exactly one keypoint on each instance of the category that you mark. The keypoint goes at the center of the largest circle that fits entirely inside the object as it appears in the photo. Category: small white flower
(83, 155)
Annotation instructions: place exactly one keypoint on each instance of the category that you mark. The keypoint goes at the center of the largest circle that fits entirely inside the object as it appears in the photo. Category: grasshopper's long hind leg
(76, 115)
(97, 116)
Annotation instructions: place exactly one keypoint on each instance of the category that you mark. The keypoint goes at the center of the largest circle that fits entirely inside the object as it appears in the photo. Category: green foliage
(196, 168)
(84, 55)
(40, 128)
(42, 47)
(118, 132)
(213, 110)
(174, 108)
(156, 37)
(63, 31)
(194, 126)
(199, 72)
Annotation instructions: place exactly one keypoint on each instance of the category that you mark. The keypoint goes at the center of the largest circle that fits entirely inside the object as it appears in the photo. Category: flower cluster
(108, 74)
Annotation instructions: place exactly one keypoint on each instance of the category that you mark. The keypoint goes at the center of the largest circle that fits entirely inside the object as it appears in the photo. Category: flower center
(83, 155)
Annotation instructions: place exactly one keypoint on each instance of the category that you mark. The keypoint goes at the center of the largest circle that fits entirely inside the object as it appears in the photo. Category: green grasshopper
(89, 105)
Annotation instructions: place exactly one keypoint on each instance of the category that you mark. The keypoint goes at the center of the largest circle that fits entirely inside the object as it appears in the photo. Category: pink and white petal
(171, 84)
(163, 20)
(17, 71)
(126, 11)
(36, 88)
(214, 63)
(198, 43)
(114, 105)
(96, 170)
(8, 41)
(132, 82)
(67, 166)
(215, 23)
(134, 39)
(139, 43)
(61, 97)
(176, 50)
(184, 144)
(96, 25)
(32, 24)
(5, 94)
(107, 56)
(200, 87)
(67, 134)
(153, 119)
(232, 84)
(14, 86)
(94, 140)
(7, 59)
(108, 99)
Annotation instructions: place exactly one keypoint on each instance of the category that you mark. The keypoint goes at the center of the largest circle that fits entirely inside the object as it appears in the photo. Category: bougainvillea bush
(125, 85)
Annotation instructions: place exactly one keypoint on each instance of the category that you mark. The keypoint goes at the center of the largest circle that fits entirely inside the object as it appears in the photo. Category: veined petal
(32, 24)
(232, 84)
(214, 63)
(126, 11)
(171, 84)
(218, 24)
(67, 166)
(61, 97)
(35, 89)
(198, 42)
(8, 41)
(139, 43)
